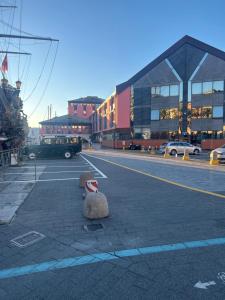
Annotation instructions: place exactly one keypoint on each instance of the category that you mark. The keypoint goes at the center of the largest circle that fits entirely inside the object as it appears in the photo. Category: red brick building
(76, 122)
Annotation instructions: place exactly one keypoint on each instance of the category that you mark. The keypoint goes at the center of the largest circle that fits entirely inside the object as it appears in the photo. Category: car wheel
(31, 155)
(196, 152)
(67, 155)
(173, 152)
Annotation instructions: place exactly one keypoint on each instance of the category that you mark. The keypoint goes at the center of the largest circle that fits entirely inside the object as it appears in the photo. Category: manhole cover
(93, 227)
(27, 239)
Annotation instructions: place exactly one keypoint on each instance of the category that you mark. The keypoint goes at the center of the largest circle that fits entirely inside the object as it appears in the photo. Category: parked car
(221, 153)
(179, 148)
(134, 147)
(55, 146)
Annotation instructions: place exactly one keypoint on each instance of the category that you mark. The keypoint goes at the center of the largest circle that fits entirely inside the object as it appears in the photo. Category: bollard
(142, 149)
(95, 206)
(213, 158)
(91, 186)
(167, 153)
(153, 150)
(186, 155)
(14, 159)
(84, 177)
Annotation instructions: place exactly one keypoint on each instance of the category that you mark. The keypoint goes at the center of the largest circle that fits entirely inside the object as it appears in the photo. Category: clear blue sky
(103, 42)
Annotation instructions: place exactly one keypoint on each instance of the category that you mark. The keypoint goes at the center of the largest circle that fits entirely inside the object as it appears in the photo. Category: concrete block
(95, 206)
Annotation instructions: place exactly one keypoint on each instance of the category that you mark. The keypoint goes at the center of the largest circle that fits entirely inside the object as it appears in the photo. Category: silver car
(179, 148)
(220, 153)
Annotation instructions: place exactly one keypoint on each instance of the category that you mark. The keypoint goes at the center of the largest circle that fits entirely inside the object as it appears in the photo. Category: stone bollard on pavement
(84, 177)
(95, 206)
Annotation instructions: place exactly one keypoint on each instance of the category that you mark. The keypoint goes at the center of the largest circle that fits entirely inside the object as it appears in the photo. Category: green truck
(55, 146)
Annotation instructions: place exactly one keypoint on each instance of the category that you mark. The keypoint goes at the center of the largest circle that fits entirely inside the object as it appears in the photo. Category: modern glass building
(179, 95)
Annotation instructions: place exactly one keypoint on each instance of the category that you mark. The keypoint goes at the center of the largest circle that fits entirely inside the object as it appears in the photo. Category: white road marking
(32, 173)
(45, 180)
(38, 166)
(94, 167)
(203, 285)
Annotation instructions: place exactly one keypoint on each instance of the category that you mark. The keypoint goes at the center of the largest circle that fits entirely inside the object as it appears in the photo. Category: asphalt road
(173, 232)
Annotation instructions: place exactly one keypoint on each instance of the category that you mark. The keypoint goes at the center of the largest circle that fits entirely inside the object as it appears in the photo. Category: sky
(102, 43)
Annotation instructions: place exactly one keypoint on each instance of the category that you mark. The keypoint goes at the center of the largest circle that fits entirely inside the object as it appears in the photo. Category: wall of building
(83, 111)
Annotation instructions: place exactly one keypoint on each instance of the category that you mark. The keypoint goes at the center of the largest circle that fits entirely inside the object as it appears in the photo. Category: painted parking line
(41, 173)
(45, 180)
(94, 167)
(60, 166)
(161, 178)
(106, 256)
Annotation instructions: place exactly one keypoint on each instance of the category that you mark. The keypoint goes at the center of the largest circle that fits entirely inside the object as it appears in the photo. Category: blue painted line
(105, 256)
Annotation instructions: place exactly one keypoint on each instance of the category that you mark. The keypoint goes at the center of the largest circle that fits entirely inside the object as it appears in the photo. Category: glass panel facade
(168, 114)
(164, 91)
(201, 112)
(155, 114)
(196, 88)
(217, 111)
(218, 86)
(174, 90)
(207, 87)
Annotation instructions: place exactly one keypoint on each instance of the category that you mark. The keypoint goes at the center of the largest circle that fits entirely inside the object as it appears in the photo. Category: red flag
(5, 64)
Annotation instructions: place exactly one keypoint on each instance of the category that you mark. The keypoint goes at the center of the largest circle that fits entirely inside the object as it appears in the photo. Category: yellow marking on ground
(162, 179)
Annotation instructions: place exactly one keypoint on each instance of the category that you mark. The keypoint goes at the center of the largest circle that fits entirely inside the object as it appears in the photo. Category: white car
(179, 148)
(220, 153)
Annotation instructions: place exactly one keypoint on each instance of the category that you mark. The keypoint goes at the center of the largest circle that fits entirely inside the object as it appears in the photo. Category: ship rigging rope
(48, 80)
(21, 10)
(41, 73)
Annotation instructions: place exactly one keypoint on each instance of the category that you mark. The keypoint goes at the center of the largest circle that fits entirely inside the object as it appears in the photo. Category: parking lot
(164, 235)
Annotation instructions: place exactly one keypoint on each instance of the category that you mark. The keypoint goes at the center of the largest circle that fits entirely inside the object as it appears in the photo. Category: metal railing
(6, 157)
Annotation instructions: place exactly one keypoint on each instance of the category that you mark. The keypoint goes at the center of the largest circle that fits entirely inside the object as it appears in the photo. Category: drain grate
(27, 239)
(93, 227)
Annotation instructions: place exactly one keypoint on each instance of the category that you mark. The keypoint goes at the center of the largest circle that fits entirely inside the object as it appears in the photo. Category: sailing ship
(13, 120)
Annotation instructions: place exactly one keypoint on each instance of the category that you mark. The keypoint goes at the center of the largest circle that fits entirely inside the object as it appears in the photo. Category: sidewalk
(13, 191)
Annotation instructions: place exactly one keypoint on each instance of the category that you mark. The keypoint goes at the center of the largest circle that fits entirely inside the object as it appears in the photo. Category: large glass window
(218, 86)
(174, 90)
(155, 114)
(196, 88)
(168, 114)
(207, 87)
(164, 91)
(206, 112)
(217, 111)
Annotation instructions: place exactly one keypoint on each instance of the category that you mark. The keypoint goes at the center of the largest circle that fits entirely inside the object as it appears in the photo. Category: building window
(75, 107)
(196, 88)
(84, 109)
(207, 87)
(174, 90)
(201, 112)
(155, 115)
(206, 112)
(105, 122)
(164, 91)
(105, 108)
(218, 86)
(169, 114)
(217, 111)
